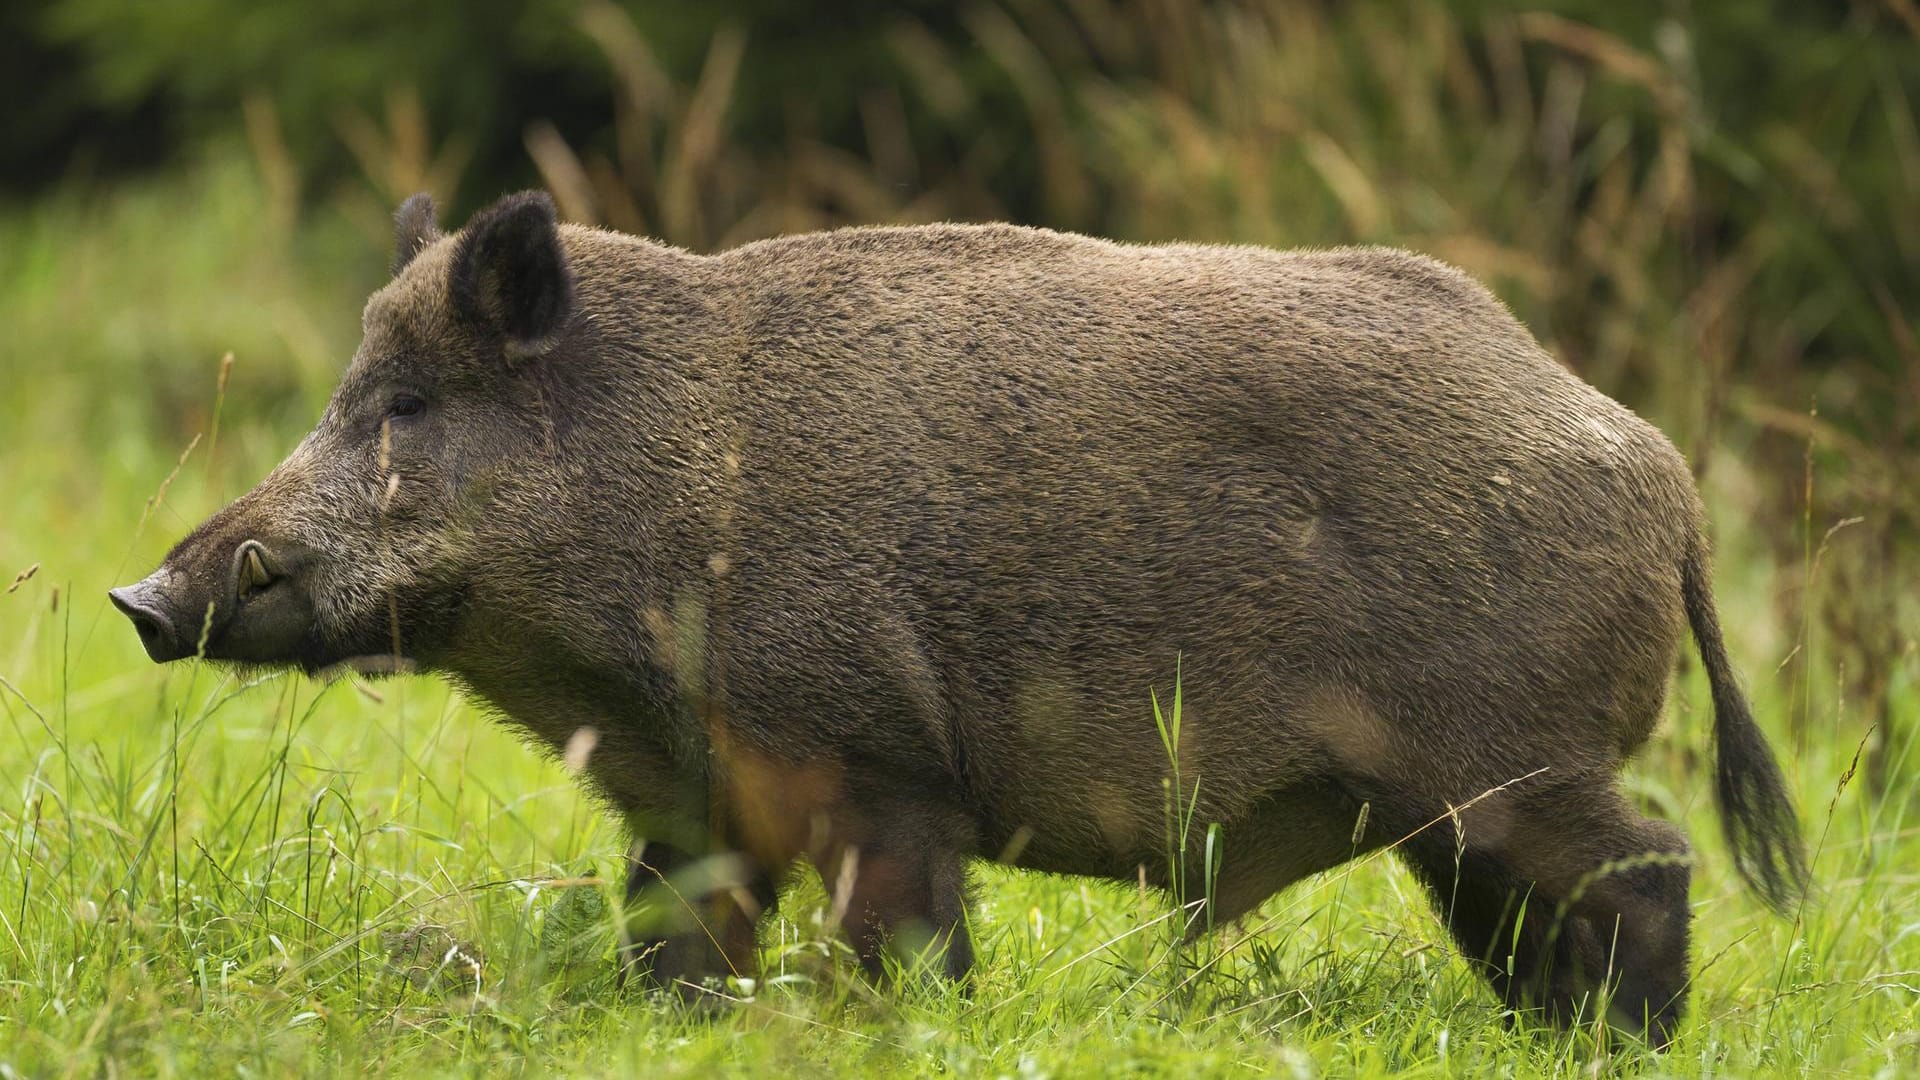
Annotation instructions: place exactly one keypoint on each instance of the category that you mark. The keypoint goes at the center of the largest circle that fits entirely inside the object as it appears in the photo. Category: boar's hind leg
(695, 929)
(1567, 897)
(899, 882)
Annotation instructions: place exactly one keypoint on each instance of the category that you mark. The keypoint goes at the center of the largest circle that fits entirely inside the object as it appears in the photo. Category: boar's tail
(1762, 830)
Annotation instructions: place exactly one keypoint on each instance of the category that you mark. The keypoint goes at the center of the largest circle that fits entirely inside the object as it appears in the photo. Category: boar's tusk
(256, 569)
(254, 574)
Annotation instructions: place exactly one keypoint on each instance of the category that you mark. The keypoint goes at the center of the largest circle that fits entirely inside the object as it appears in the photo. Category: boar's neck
(597, 563)
(634, 715)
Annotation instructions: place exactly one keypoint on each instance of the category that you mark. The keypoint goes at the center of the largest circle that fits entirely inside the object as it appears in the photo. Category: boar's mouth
(254, 609)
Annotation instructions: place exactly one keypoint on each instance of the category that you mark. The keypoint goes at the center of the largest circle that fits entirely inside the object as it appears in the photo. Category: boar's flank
(868, 546)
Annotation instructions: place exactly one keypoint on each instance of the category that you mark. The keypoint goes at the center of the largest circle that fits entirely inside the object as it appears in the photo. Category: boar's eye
(404, 405)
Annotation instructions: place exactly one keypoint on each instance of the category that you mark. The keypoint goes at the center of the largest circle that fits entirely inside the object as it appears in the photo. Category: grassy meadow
(200, 875)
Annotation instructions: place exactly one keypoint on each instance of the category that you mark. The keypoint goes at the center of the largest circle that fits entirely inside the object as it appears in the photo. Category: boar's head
(355, 548)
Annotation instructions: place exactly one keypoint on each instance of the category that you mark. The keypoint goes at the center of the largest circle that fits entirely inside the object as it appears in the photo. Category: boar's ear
(510, 274)
(413, 229)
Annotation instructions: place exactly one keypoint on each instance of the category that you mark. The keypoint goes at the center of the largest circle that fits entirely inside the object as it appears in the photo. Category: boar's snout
(145, 602)
(244, 604)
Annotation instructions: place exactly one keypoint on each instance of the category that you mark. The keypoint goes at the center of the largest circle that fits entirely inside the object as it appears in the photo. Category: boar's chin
(325, 664)
(369, 665)
(311, 656)
(257, 640)
(403, 638)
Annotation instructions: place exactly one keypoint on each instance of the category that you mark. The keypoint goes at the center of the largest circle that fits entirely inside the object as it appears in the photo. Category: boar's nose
(146, 605)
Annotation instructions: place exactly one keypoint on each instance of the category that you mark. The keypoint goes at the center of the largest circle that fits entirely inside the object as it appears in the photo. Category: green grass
(199, 876)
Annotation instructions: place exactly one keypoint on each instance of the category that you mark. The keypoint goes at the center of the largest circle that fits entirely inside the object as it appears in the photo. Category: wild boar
(871, 547)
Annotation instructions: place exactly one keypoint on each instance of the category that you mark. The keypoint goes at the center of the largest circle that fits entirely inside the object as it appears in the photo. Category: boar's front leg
(699, 913)
(896, 879)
